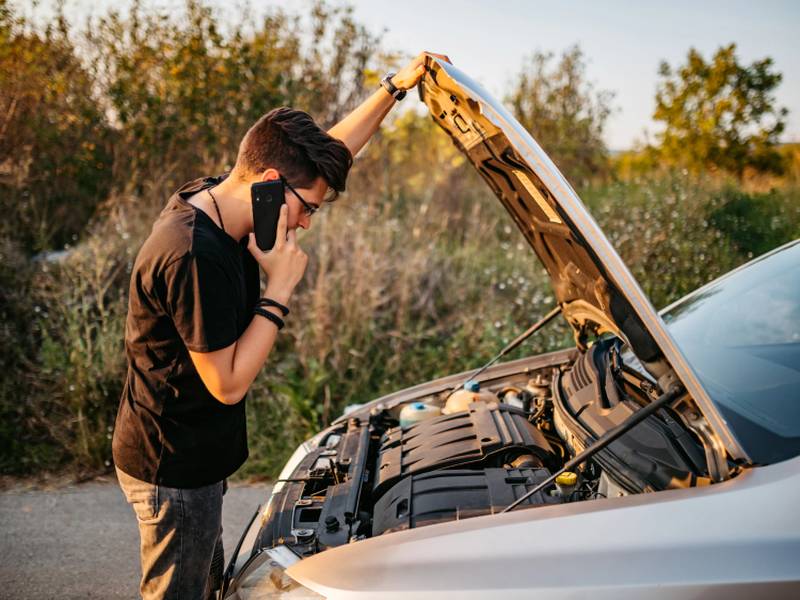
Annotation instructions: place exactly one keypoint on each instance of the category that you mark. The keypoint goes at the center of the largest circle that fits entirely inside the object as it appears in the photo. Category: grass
(400, 288)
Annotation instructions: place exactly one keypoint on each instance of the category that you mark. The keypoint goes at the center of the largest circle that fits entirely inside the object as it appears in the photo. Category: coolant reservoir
(461, 399)
(416, 412)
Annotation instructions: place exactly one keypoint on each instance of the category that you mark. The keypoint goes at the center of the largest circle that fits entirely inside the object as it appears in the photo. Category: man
(197, 334)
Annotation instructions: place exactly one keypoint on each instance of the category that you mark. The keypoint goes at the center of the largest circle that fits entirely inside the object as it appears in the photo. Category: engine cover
(448, 495)
(486, 435)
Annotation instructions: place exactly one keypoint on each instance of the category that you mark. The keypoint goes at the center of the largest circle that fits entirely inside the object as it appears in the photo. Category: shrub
(55, 142)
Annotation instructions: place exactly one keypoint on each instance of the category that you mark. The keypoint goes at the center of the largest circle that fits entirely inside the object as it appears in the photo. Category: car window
(741, 334)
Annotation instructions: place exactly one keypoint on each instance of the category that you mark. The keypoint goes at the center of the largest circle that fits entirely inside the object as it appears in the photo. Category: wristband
(271, 302)
(270, 316)
(390, 87)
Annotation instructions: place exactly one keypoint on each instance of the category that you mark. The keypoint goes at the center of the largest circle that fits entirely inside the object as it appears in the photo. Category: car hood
(594, 288)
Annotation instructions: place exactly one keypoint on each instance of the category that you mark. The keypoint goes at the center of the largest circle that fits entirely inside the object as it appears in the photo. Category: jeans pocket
(146, 508)
(141, 495)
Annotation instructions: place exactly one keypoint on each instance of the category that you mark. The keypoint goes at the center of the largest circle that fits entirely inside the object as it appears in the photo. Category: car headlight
(265, 578)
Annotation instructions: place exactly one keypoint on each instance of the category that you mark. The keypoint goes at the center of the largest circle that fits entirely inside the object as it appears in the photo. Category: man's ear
(270, 174)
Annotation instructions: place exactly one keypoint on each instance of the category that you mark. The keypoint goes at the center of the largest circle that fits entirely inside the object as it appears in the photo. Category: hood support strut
(514, 344)
(604, 440)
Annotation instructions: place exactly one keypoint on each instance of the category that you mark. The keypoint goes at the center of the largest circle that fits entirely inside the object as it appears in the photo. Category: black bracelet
(271, 302)
(271, 316)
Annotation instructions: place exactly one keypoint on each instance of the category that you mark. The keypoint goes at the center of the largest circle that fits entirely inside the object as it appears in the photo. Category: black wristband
(271, 302)
(390, 87)
(271, 316)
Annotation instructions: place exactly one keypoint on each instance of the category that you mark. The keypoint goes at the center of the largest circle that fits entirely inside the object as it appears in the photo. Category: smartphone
(267, 198)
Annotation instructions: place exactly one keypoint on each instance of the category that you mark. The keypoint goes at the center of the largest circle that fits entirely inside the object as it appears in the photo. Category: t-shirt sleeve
(201, 302)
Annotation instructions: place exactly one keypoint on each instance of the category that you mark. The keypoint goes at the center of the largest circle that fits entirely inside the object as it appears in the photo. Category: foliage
(720, 114)
(55, 142)
(182, 93)
(19, 437)
(564, 113)
(678, 232)
(416, 272)
(755, 223)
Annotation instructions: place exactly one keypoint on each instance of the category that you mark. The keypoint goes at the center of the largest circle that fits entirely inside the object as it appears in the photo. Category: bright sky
(623, 41)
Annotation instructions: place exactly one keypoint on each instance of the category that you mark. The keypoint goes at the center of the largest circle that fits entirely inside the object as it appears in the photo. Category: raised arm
(360, 125)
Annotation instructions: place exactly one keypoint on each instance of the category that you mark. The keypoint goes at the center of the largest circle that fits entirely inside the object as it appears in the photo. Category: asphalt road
(81, 541)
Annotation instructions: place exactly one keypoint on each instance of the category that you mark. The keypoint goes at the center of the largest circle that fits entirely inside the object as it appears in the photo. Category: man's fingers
(252, 246)
(291, 238)
(280, 234)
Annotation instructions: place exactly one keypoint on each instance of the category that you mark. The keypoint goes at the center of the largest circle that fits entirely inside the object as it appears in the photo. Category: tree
(564, 113)
(720, 114)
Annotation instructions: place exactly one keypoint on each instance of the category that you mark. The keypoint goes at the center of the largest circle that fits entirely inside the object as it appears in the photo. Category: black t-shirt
(193, 287)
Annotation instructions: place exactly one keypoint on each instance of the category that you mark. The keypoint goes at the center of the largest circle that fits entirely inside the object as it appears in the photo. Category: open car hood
(594, 288)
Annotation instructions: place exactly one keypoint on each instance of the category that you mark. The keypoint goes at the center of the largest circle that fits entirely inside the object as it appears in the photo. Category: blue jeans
(181, 538)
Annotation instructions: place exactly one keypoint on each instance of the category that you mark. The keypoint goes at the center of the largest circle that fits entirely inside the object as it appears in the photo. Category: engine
(483, 435)
(440, 457)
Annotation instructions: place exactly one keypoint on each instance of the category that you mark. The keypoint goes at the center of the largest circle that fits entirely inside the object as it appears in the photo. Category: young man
(197, 333)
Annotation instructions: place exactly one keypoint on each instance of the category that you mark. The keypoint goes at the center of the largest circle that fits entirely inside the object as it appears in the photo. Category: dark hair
(290, 141)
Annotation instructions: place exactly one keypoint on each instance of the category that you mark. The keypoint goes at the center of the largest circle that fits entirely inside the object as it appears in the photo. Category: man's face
(314, 196)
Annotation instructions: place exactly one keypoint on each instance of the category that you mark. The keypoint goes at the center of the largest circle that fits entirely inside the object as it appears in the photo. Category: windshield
(741, 334)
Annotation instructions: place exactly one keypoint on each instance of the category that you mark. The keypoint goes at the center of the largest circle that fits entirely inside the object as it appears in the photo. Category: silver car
(658, 458)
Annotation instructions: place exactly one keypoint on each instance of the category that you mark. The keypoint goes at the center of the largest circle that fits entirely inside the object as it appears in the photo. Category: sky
(623, 41)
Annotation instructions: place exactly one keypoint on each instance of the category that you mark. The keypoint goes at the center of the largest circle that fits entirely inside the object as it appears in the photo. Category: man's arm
(228, 373)
(361, 124)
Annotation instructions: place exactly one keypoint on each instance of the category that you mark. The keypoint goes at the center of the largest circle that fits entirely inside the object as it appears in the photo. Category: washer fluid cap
(567, 478)
(419, 406)
(472, 386)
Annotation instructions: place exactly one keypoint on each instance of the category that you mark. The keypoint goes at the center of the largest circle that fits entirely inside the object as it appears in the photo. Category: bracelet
(270, 316)
(271, 302)
(390, 87)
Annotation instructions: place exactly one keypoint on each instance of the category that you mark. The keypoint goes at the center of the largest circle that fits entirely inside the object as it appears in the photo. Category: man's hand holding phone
(284, 264)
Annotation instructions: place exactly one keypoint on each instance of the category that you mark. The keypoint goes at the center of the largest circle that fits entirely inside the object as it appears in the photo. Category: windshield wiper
(513, 345)
(604, 440)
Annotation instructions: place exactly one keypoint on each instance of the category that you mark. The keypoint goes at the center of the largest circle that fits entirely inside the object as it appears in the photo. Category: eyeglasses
(308, 209)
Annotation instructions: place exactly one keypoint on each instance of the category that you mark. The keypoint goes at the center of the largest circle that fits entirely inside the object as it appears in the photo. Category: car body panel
(595, 289)
(730, 540)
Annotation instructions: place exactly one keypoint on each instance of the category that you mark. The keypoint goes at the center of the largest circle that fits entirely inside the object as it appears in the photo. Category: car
(658, 457)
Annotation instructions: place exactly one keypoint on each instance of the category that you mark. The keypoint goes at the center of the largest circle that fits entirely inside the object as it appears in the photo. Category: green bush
(756, 223)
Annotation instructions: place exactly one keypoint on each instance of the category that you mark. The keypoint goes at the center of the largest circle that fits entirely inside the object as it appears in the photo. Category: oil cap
(565, 483)
(567, 478)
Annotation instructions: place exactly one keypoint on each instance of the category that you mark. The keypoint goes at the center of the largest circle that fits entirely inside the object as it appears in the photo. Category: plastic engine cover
(441, 496)
(485, 435)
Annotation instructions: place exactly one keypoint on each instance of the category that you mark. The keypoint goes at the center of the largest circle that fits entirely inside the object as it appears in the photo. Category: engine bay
(445, 455)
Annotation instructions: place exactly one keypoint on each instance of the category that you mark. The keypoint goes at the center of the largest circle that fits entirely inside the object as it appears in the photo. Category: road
(81, 541)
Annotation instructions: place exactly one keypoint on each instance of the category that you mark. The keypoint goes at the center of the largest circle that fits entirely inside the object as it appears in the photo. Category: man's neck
(233, 200)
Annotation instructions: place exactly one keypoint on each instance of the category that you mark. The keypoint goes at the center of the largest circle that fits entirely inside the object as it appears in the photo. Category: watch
(395, 92)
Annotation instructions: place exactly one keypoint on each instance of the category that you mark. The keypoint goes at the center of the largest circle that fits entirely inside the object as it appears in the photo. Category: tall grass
(416, 272)
(400, 288)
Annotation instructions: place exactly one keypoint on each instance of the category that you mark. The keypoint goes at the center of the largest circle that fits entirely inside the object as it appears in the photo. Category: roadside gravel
(81, 541)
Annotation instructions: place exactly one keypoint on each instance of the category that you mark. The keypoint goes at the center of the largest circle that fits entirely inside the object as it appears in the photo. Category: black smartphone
(267, 198)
